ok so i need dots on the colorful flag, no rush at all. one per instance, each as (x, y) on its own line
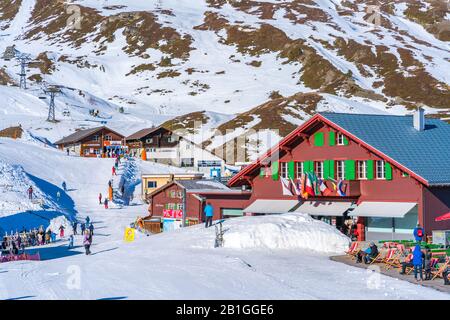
(333, 183)
(324, 189)
(286, 187)
(304, 194)
(309, 190)
(340, 187)
(296, 188)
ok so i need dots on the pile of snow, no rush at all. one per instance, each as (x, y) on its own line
(289, 231)
(286, 231)
(57, 222)
(14, 184)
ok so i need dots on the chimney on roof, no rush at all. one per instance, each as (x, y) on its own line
(419, 119)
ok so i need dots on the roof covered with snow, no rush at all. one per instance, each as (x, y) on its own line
(427, 152)
(202, 185)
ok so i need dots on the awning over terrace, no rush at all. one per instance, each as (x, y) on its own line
(264, 206)
(324, 208)
(383, 209)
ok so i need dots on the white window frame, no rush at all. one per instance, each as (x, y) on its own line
(108, 137)
(149, 140)
(299, 169)
(362, 166)
(96, 138)
(340, 169)
(340, 139)
(318, 169)
(380, 169)
(284, 170)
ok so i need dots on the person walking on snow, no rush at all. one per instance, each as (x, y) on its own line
(83, 227)
(106, 203)
(64, 185)
(91, 229)
(418, 262)
(74, 227)
(114, 171)
(30, 193)
(71, 241)
(419, 233)
(209, 213)
(87, 242)
(88, 220)
(100, 196)
(61, 231)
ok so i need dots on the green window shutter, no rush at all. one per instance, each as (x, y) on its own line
(326, 169)
(330, 170)
(388, 171)
(319, 139)
(345, 141)
(332, 138)
(275, 171)
(350, 172)
(309, 166)
(370, 169)
(291, 170)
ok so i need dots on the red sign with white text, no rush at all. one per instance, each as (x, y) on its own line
(171, 213)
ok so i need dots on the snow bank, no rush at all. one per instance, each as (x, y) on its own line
(57, 222)
(286, 231)
(14, 183)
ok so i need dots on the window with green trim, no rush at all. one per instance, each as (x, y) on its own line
(319, 169)
(381, 172)
(299, 169)
(340, 169)
(283, 169)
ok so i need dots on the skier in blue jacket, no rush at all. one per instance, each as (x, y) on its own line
(418, 262)
(419, 233)
(209, 213)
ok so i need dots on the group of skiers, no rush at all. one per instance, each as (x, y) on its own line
(31, 195)
(87, 231)
(104, 202)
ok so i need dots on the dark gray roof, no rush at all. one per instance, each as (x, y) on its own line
(142, 133)
(202, 185)
(81, 134)
(426, 153)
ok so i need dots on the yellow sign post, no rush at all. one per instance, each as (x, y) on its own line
(129, 235)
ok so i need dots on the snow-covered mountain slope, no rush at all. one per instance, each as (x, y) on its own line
(250, 62)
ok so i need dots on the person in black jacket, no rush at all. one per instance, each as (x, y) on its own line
(373, 253)
(368, 255)
(427, 263)
(446, 275)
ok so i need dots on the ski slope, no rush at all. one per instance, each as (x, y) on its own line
(274, 257)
